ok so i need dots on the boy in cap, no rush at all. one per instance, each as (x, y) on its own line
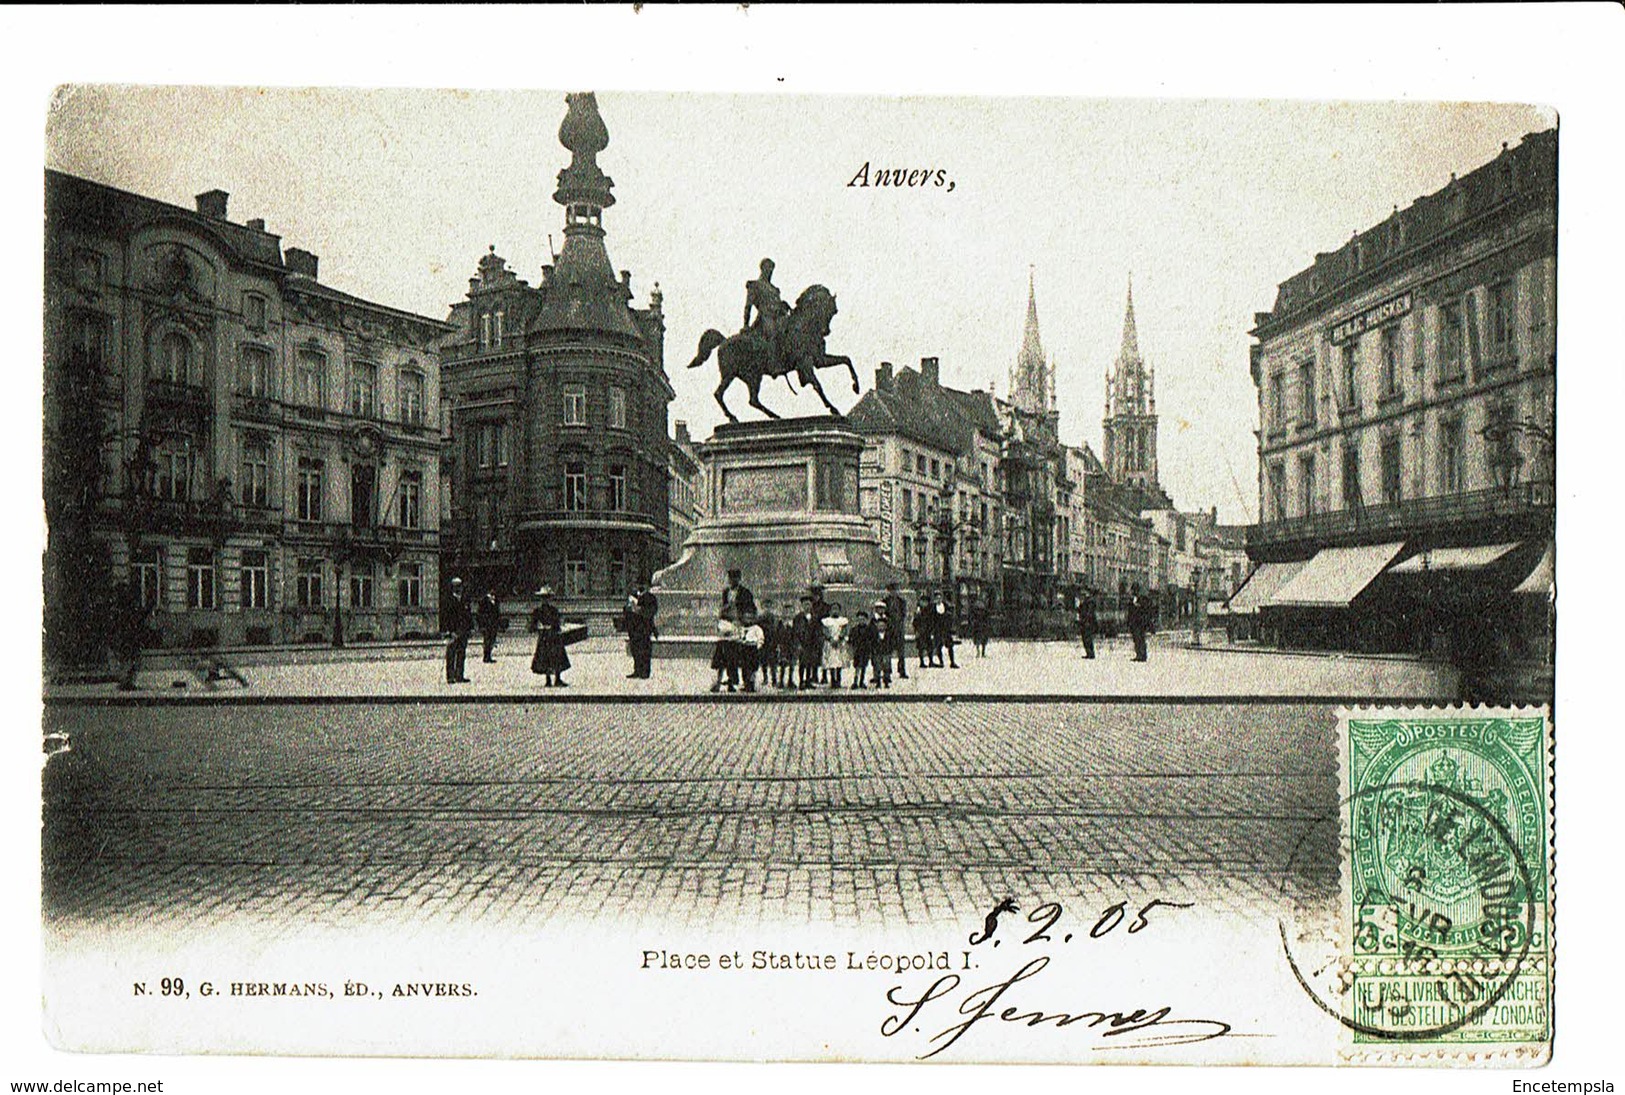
(883, 644)
(863, 648)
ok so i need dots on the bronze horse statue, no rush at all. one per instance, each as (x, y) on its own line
(749, 357)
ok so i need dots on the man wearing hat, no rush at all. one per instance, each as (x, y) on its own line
(738, 597)
(459, 625)
(882, 645)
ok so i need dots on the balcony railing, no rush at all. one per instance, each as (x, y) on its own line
(173, 393)
(1411, 517)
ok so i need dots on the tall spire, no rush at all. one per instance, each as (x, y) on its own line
(1131, 337)
(1029, 383)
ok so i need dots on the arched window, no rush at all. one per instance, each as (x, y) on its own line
(175, 358)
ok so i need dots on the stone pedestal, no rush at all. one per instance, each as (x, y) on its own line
(783, 502)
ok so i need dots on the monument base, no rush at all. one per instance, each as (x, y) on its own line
(783, 498)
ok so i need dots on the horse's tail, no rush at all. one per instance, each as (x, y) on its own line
(708, 342)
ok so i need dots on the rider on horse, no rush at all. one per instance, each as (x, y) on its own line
(762, 297)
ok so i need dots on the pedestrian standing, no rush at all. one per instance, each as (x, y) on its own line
(944, 638)
(980, 626)
(489, 617)
(897, 624)
(1139, 621)
(737, 596)
(769, 657)
(883, 646)
(787, 655)
(129, 628)
(809, 638)
(1088, 621)
(639, 630)
(863, 649)
(725, 654)
(551, 659)
(922, 633)
(837, 644)
(750, 651)
(459, 626)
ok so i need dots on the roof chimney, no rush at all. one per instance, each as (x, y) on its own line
(212, 203)
(930, 371)
(680, 430)
(883, 376)
(257, 224)
(301, 262)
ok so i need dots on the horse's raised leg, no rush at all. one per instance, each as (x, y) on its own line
(722, 402)
(756, 398)
(819, 388)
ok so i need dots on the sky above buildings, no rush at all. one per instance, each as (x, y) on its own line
(1210, 204)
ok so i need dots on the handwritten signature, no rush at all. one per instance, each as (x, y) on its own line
(1141, 1028)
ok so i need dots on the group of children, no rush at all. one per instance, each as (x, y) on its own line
(805, 648)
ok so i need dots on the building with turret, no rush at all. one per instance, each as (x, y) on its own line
(559, 396)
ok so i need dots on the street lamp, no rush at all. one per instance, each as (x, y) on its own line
(947, 529)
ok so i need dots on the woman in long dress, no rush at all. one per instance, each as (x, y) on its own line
(551, 659)
(837, 645)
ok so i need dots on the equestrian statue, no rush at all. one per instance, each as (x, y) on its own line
(778, 341)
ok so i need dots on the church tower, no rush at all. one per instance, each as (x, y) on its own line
(1030, 381)
(1130, 426)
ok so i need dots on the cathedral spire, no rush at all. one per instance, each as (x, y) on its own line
(1131, 337)
(1029, 382)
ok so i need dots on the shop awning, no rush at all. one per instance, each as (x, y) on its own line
(1453, 558)
(1261, 585)
(1335, 576)
(1541, 579)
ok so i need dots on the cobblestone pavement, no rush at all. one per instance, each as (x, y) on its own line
(1023, 668)
(521, 816)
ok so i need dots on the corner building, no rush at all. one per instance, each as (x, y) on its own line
(1406, 387)
(558, 458)
(255, 452)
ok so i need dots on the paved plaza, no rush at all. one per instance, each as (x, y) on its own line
(519, 816)
(1010, 668)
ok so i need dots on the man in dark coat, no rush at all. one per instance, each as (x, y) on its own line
(768, 659)
(1139, 621)
(897, 618)
(129, 632)
(459, 626)
(925, 630)
(884, 645)
(640, 630)
(808, 630)
(489, 617)
(862, 638)
(737, 596)
(1088, 621)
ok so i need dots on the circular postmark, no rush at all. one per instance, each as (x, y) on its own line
(1420, 921)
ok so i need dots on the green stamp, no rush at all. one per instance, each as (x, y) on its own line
(1447, 822)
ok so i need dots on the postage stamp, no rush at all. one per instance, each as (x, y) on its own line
(1443, 939)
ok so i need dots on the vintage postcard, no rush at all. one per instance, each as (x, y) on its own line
(1094, 606)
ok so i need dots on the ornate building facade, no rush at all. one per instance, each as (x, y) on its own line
(1406, 388)
(559, 398)
(930, 475)
(254, 452)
